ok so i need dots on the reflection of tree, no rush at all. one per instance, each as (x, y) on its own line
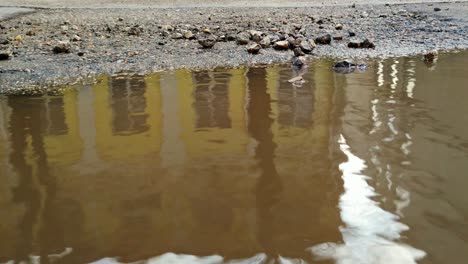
(211, 99)
(128, 105)
(295, 103)
(269, 185)
(44, 224)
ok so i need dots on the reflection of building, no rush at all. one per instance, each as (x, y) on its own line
(211, 99)
(179, 161)
(128, 105)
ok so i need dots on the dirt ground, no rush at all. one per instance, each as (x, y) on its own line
(144, 40)
(199, 3)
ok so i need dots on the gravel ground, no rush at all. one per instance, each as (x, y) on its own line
(144, 40)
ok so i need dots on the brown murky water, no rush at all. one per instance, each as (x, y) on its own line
(240, 166)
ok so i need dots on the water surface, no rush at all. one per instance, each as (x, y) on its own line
(241, 166)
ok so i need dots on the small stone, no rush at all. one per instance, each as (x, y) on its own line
(4, 41)
(62, 47)
(324, 40)
(189, 35)
(352, 34)
(81, 53)
(298, 52)
(297, 80)
(431, 56)
(299, 61)
(76, 38)
(265, 42)
(135, 31)
(292, 42)
(207, 43)
(256, 35)
(19, 38)
(206, 31)
(5, 54)
(339, 27)
(338, 38)
(307, 46)
(281, 45)
(344, 64)
(437, 9)
(177, 36)
(230, 37)
(30, 33)
(254, 48)
(365, 44)
(243, 38)
(167, 28)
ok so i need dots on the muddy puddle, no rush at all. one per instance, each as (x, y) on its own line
(241, 166)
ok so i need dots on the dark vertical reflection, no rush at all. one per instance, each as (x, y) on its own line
(128, 105)
(269, 186)
(45, 220)
(211, 99)
(26, 192)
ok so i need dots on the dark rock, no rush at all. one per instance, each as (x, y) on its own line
(292, 43)
(339, 27)
(135, 31)
(230, 37)
(298, 61)
(344, 64)
(281, 45)
(5, 54)
(265, 42)
(81, 53)
(431, 56)
(243, 38)
(324, 40)
(352, 34)
(320, 21)
(4, 41)
(254, 48)
(62, 47)
(347, 66)
(365, 44)
(338, 38)
(208, 42)
(298, 52)
(436, 9)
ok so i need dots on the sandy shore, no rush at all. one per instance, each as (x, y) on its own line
(144, 40)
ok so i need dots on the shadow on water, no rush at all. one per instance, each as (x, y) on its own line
(240, 166)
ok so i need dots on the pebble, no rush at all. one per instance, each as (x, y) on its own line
(62, 47)
(281, 45)
(207, 43)
(254, 48)
(324, 40)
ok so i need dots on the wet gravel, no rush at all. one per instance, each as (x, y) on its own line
(145, 40)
